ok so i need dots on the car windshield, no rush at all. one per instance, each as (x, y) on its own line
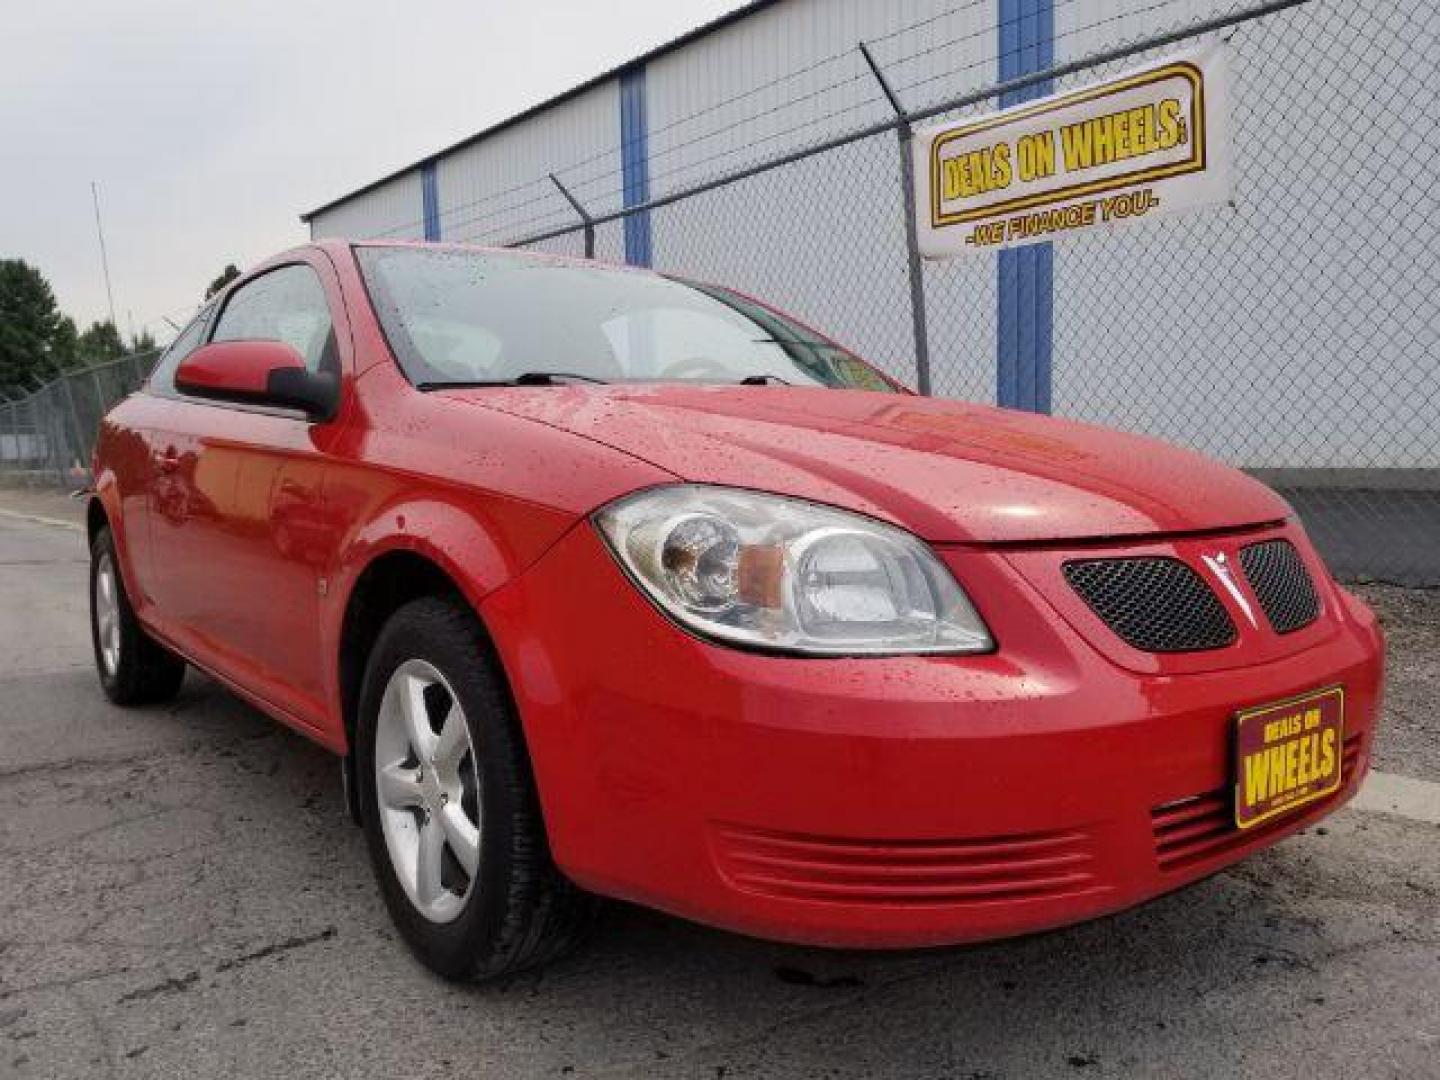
(456, 317)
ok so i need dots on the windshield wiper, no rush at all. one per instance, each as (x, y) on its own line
(561, 378)
(553, 378)
(527, 378)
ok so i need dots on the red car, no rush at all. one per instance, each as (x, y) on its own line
(608, 582)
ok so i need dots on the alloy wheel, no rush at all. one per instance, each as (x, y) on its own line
(107, 613)
(427, 788)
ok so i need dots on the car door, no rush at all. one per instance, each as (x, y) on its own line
(130, 455)
(238, 534)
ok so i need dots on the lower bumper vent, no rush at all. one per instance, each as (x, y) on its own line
(909, 872)
(1203, 826)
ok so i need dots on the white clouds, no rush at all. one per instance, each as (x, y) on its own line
(210, 127)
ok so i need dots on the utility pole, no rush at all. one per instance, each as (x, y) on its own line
(104, 259)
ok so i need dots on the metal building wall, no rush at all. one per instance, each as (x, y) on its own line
(393, 210)
(775, 81)
(1261, 331)
(498, 188)
(1088, 320)
(785, 78)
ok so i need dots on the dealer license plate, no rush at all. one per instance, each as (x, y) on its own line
(1287, 754)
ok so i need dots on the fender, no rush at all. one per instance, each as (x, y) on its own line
(465, 540)
(106, 491)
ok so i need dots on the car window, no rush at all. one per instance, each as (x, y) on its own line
(688, 336)
(454, 348)
(162, 379)
(286, 305)
(456, 316)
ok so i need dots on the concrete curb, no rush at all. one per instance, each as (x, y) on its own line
(1402, 796)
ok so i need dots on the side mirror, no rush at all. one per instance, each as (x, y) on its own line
(258, 373)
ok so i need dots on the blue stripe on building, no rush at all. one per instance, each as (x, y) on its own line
(1025, 276)
(430, 200)
(635, 164)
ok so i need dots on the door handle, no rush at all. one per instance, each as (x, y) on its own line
(168, 460)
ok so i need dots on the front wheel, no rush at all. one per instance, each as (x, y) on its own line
(134, 668)
(449, 804)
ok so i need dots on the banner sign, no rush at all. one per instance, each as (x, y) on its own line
(1149, 142)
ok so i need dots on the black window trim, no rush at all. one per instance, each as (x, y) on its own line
(206, 316)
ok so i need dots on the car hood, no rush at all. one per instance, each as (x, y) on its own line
(949, 471)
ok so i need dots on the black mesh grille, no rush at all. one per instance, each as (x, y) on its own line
(1154, 604)
(1281, 583)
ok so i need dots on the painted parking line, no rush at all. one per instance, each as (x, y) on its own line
(40, 519)
(1402, 796)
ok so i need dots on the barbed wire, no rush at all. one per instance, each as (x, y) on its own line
(1055, 39)
(983, 93)
(599, 198)
(567, 170)
(692, 167)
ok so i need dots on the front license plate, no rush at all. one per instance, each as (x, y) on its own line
(1287, 754)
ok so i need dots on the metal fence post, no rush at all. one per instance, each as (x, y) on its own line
(145, 365)
(906, 137)
(54, 429)
(22, 445)
(77, 450)
(584, 216)
(41, 438)
(9, 436)
(101, 408)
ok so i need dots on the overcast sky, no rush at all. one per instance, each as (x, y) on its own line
(209, 127)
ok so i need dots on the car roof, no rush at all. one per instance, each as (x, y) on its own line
(338, 246)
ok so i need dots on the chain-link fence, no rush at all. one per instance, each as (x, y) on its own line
(1292, 333)
(47, 437)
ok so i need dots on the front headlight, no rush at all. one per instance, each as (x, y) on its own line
(778, 573)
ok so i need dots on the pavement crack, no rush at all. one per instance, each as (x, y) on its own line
(145, 757)
(169, 986)
(181, 983)
(42, 768)
(69, 983)
(297, 942)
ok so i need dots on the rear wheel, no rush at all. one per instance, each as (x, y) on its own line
(134, 668)
(449, 804)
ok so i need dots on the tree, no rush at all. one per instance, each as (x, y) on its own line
(142, 342)
(227, 275)
(65, 345)
(101, 342)
(29, 323)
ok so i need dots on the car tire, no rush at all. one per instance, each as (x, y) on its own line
(510, 908)
(134, 668)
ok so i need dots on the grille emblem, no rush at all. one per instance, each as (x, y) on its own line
(1220, 567)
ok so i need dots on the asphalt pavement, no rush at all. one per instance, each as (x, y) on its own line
(182, 895)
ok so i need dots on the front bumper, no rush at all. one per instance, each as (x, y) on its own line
(899, 801)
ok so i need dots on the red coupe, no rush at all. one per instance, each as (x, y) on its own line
(602, 581)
